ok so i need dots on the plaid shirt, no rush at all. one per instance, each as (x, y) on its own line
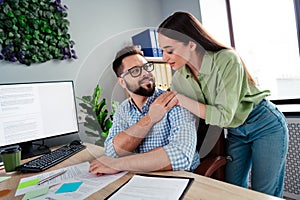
(176, 133)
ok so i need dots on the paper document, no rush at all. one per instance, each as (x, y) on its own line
(149, 187)
(3, 178)
(74, 173)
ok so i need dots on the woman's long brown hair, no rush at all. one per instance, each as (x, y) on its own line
(184, 27)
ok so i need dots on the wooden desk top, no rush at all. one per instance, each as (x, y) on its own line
(201, 188)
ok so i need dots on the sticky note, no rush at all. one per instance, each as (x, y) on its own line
(35, 193)
(28, 183)
(68, 187)
(3, 178)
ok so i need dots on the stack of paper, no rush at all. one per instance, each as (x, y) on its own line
(76, 183)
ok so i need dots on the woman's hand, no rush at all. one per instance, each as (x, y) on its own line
(180, 98)
(162, 105)
(195, 107)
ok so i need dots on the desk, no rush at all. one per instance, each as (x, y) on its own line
(201, 188)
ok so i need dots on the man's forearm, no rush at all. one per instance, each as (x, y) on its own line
(155, 160)
(126, 141)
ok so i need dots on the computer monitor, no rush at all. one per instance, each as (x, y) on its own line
(36, 111)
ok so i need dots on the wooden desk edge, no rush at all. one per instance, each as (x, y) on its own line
(201, 187)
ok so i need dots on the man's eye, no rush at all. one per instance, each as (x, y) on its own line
(136, 70)
(169, 52)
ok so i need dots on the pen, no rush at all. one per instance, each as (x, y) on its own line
(51, 177)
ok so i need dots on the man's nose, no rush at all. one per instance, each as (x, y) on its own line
(145, 73)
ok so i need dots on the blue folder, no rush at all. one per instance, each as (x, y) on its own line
(147, 40)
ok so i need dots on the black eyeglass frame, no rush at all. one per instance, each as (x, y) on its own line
(144, 66)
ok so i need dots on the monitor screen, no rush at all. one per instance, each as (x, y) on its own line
(33, 111)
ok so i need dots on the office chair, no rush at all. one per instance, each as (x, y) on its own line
(211, 147)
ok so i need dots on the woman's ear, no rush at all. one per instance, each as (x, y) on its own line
(192, 45)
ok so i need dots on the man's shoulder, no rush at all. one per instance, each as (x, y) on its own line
(179, 111)
(125, 105)
(125, 102)
(177, 108)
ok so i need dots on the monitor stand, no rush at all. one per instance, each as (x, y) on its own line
(30, 150)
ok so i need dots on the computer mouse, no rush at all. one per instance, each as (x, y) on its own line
(76, 142)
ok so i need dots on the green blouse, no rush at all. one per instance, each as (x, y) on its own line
(223, 87)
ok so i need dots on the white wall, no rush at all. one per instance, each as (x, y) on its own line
(192, 6)
(92, 24)
(288, 87)
(99, 28)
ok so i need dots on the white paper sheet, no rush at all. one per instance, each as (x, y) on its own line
(74, 173)
(149, 188)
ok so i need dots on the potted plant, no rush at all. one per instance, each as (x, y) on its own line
(98, 120)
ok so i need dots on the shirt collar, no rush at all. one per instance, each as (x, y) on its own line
(206, 66)
(145, 107)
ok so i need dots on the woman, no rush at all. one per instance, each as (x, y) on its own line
(213, 83)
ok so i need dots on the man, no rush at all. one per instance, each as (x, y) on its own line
(150, 132)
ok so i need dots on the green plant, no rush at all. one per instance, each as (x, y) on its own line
(98, 121)
(34, 31)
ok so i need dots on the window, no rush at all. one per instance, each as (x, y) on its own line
(265, 35)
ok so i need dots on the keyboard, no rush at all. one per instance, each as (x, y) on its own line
(50, 159)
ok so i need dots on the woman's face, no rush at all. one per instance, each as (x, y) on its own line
(175, 53)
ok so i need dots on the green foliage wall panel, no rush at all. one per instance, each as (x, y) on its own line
(34, 31)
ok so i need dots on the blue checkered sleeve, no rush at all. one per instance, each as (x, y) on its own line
(176, 133)
(181, 148)
(119, 124)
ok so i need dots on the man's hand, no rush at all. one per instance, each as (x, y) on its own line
(102, 165)
(161, 106)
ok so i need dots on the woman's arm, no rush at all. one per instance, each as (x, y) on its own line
(191, 105)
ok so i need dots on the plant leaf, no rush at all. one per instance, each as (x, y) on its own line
(100, 107)
(108, 125)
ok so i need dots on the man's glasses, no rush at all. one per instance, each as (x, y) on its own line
(137, 70)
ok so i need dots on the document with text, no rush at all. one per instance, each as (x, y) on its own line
(148, 187)
(75, 173)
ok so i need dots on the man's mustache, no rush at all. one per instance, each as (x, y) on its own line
(146, 78)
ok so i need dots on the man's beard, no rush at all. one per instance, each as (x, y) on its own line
(148, 91)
